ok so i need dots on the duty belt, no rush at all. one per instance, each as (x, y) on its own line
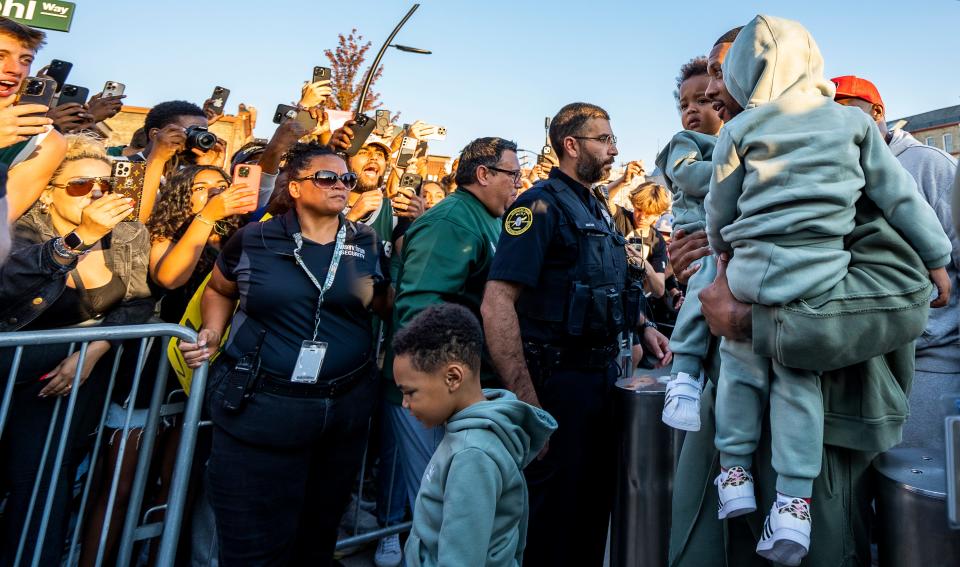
(579, 358)
(282, 386)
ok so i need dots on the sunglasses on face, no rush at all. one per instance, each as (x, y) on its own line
(326, 179)
(80, 186)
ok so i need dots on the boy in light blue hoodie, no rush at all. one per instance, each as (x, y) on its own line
(788, 171)
(687, 167)
(472, 506)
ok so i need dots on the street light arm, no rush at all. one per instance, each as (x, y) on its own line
(376, 61)
(409, 49)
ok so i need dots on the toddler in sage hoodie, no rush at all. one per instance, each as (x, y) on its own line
(687, 168)
(787, 173)
(472, 506)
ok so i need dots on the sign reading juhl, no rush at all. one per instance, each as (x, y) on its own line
(46, 14)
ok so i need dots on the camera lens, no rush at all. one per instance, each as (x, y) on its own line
(200, 138)
(206, 140)
(35, 88)
(244, 172)
(70, 91)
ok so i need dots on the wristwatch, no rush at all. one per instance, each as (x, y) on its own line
(61, 250)
(648, 324)
(76, 244)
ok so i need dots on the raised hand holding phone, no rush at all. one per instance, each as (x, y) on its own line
(419, 130)
(342, 137)
(315, 94)
(246, 177)
(407, 203)
(101, 107)
(19, 122)
(237, 199)
(69, 118)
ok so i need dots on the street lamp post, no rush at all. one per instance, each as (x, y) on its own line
(383, 49)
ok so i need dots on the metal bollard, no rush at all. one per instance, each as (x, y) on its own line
(640, 533)
(912, 510)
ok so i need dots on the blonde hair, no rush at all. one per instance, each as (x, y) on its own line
(82, 146)
(651, 199)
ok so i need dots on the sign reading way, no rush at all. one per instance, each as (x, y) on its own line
(46, 14)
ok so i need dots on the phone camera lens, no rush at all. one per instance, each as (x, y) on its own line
(244, 172)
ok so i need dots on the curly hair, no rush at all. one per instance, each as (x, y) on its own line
(693, 68)
(173, 212)
(82, 146)
(168, 113)
(294, 162)
(439, 335)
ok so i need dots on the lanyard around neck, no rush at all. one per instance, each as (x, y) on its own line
(331, 272)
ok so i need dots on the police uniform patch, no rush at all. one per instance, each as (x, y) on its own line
(518, 221)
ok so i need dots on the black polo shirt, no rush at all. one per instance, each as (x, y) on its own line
(535, 234)
(276, 295)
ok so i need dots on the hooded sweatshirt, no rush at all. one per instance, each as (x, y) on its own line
(472, 506)
(938, 349)
(687, 168)
(790, 167)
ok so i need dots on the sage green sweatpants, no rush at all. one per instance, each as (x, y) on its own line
(748, 384)
(690, 341)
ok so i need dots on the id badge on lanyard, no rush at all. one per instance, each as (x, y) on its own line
(309, 362)
(312, 352)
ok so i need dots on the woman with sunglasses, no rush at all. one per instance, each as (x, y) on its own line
(197, 210)
(74, 262)
(292, 392)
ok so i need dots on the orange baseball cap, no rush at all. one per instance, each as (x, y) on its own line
(851, 86)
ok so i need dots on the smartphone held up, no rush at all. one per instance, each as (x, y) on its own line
(248, 174)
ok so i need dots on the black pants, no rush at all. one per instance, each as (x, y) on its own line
(571, 489)
(281, 472)
(22, 444)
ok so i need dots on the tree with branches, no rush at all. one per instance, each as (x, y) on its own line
(347, 82)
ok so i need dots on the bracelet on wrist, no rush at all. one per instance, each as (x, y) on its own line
(205, 220)
(648, 324)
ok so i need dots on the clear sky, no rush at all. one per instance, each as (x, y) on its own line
(498, 67)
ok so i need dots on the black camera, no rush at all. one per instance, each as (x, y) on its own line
(201, 138)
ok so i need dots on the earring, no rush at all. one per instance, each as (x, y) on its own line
(44, 207)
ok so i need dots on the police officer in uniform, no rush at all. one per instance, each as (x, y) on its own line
(558, 297)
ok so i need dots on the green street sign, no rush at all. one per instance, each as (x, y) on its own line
(45, 14)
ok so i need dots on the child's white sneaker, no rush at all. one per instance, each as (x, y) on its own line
(681, 406)
(735, 491)
(786, 533)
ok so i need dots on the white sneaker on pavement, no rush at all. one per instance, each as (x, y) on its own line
(388, 552)
(786, 533)
(681, 406)
(735, 491)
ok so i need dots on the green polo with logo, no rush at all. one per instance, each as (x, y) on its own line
(447, 254)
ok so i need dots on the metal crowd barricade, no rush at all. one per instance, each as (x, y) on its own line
(357, 538)
(134, 530)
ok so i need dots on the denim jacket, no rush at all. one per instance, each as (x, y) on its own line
(31, 279)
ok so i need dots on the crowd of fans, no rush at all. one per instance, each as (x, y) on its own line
(313, 269)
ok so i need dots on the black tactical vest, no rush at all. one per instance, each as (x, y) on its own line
(584, 299)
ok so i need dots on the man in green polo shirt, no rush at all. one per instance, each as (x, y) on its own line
(446, 255)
